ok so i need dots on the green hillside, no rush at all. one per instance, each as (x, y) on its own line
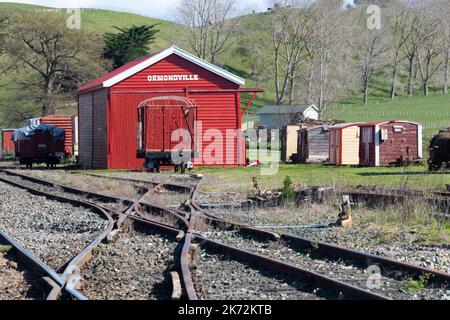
(433, 112)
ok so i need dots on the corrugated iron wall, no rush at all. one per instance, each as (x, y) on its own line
(63, 122)
(85, 129)
(99, 133)
(7, 143)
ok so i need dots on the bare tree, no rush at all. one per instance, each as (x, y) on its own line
(208, 25)
(423, 28)
(399, 26)
(288, 28)
(329, 46)
(444, 9)
(370, 45)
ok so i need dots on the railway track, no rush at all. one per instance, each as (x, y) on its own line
(137, 266)
(440, 200)
(346, 265)
(46, 231)
(168, 184)
(54, 231)
(201, 250)
(24, 277)
(91, 272)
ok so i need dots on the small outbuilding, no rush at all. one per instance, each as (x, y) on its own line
(278, 116)
(313, 144)
(344, 144)
(390, 142)
(110, 131)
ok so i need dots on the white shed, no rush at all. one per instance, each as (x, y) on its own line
(276, 117)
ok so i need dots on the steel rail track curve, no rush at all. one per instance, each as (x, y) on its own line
(193, 210)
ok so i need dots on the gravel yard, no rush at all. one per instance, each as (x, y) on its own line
(115, 206)
(402, 247)
(132, 268)
(16, 282)
(390, 284)
(167, 177)
(165, 198)
(54, 232)
(364, 236)
(115, 188)
(220, 278)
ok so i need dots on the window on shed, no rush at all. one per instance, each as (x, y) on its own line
(398, 129)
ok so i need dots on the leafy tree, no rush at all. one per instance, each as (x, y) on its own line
(129, 43)
(46, 62)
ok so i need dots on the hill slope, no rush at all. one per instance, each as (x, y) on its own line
(433, 111)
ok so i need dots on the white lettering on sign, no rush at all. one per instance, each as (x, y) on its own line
(173, 77)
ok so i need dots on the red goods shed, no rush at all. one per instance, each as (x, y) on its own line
(386, 143)
(7, 143)
(63, 122)
(109, 127)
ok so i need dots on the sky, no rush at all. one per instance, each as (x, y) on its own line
(152, 8)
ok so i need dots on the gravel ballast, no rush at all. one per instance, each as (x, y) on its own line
(135, 267)
(17, 282)
(403, 247)
(114, 206)
(217, 277)
(52, 231)
(390, 283)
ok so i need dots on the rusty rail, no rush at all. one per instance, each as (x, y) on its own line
(54, 280)
(70, 282)
(169, 186)
(314, 278)
(334, 251)
(69, 276)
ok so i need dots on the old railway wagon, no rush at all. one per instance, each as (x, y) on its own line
(7, 142)
(39, 144)
(111, 135)
(390, 142)
(313, 144)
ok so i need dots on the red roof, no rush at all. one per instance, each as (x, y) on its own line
(376, 123)
(98, 82)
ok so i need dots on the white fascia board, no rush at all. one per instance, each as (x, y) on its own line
(164, 54)
(208, 66)
(377, 145)
(420, 141)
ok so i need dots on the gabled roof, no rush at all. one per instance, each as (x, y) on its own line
(285, 109)
(142, 63)
(378, 123)
(345, 125)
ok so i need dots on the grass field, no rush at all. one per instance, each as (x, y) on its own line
(433, 112)
(415, 177)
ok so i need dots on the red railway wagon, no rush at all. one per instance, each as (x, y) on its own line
(158, 119)
(64, 122)
(7, 143)
(41, 144)
(390, 142)
(109, 128)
